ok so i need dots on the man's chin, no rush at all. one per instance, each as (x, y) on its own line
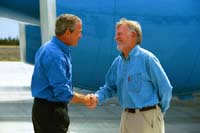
(119, 49)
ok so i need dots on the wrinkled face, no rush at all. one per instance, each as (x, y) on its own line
(73, 37)
(123, 37)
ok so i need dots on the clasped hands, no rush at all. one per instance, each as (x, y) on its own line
(91, 101)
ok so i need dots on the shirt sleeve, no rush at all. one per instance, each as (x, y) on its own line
(109, 89)
(160, 82)
(58, 73)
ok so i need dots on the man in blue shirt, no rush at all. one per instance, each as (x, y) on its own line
(139, 81)
(52, 78)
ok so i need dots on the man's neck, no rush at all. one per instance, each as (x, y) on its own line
(127, 51)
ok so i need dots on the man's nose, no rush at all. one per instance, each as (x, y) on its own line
(80, 36)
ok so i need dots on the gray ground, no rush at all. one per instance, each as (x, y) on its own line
(16, 104)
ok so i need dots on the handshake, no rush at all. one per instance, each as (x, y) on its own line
(90, 100)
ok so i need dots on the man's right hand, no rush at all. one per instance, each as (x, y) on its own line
(91, 101)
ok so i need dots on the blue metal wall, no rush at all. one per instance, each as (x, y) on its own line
(33, 42)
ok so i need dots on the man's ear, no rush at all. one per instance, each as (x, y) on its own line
(67, 32)
(134, 34)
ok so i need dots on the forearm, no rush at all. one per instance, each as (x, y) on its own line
(78, 98)
(104, 93)
(165, 100)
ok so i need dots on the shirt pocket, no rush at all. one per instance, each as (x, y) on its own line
(135, 82)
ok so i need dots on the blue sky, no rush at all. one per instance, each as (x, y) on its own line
(8, 28)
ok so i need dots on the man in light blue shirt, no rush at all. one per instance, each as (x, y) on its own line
(139, 81)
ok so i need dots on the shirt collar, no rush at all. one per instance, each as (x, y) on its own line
(132, 53)
(60, 44)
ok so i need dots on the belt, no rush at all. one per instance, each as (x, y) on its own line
(131, 110)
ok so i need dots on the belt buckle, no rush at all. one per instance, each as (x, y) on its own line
(130, 110)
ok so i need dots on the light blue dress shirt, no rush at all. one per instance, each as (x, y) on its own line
(138, 81)
(52, 76)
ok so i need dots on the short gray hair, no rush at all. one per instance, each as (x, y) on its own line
(133, 26)
(66, 22)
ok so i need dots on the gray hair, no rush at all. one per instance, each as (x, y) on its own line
(134, 26)
(66, 22)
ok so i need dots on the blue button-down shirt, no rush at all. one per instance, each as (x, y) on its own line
(138, 81)
(52, 76)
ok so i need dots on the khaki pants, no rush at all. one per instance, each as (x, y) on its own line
(150, 121)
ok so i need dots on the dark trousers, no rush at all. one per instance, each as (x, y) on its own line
(49, 117)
